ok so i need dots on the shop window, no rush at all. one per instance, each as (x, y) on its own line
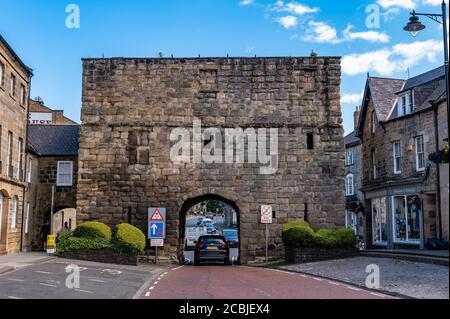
(406, 210)
(379, 221)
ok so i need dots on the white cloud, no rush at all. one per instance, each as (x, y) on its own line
(433, 2)
(288, 21)
(387, 61)
(372, 36)
(406, 4)
(294, 8)
(323, 33)
(351, 98)
(245, 2)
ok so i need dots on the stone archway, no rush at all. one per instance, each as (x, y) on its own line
(196, 200)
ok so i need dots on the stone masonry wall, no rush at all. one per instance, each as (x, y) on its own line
(130, 106)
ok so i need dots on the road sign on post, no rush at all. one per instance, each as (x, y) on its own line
(156, 228)
(266, 214)
(267, 218)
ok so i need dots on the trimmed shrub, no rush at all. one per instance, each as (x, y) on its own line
(128, 239)
(67, 243)
(346, 238)
(290, 225)
(300, 236)
(326, 238)
(93, 230)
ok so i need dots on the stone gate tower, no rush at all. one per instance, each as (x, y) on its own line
(131, 106)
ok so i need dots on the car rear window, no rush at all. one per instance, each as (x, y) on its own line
(212, 241)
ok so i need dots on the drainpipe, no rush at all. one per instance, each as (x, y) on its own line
(25, 167)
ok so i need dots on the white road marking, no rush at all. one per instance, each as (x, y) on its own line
(43, 272)
(155, 283)
(14, 279)
(334, 283)
(147, 294)
(12, 297)
(48, 285)
(85, 291)
(378, 295)
(151, 288)
(165, 273)
(97, 280)
(318, 279)
(282, 271)
(178, 267)
(353, 288)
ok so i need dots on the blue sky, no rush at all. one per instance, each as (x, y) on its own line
(37, 31)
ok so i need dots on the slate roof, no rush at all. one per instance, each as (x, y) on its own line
(383, 92)
(53, 140)
(424, 78)
(352, 140)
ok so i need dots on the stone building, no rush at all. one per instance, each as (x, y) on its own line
(15, 79)
(52, 163)
(131, 106)
(400, 125)
(354, 214)
(39, 113)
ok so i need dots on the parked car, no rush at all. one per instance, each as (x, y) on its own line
(192, 235)
(211, 230)
(207, 222)
(212, 248)
(200, 220)
(232, 237)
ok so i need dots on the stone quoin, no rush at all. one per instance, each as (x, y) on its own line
(131, 105)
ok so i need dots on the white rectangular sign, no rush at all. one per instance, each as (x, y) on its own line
(40, 118)
(157, 242)
(266, 214)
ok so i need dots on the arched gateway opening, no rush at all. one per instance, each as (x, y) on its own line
(209, 215)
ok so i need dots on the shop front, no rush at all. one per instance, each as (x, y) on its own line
(396, 219)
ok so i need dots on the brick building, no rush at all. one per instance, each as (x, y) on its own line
(52, 162)
(354, 214)
(400, 125)
(15, 79)
(130, 107)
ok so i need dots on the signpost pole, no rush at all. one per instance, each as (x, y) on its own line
(267, 243)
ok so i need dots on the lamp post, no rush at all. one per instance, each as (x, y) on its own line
(415, 26)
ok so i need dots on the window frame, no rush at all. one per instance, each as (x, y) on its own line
(27, 218)
(348, 185)
(29, 170)
(422, 153)
(9, 154)
(351, 153)
(22, 93)
(14, 206)
(2, 73)
(58, 174)
(374, 166)
(12, 85)
(397, 157)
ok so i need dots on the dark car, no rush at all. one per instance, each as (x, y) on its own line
(212, 248)
(232, 238)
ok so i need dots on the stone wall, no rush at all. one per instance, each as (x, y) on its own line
(130, 107)
(13, 118)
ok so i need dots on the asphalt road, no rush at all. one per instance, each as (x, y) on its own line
(48, 281)
(241, 282)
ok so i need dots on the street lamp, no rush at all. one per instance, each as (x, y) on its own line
(415, 26)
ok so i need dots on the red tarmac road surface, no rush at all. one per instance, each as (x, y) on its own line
(240, 282)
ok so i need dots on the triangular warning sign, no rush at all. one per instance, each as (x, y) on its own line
(156, 215)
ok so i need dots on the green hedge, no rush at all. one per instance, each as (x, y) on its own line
(128, 239)
(93, 230)
(300, 236)
(290, 225)
(304, 236)
(67, 243)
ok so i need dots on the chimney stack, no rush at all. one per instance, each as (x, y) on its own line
(356, 116)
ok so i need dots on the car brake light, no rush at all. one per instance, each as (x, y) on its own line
(223, 246)
(200, 245)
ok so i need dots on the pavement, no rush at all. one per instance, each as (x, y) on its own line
(21, 260)
(242, 282)
(412, 279)
(47, 280)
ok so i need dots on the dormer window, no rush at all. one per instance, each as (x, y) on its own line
(405, 103)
